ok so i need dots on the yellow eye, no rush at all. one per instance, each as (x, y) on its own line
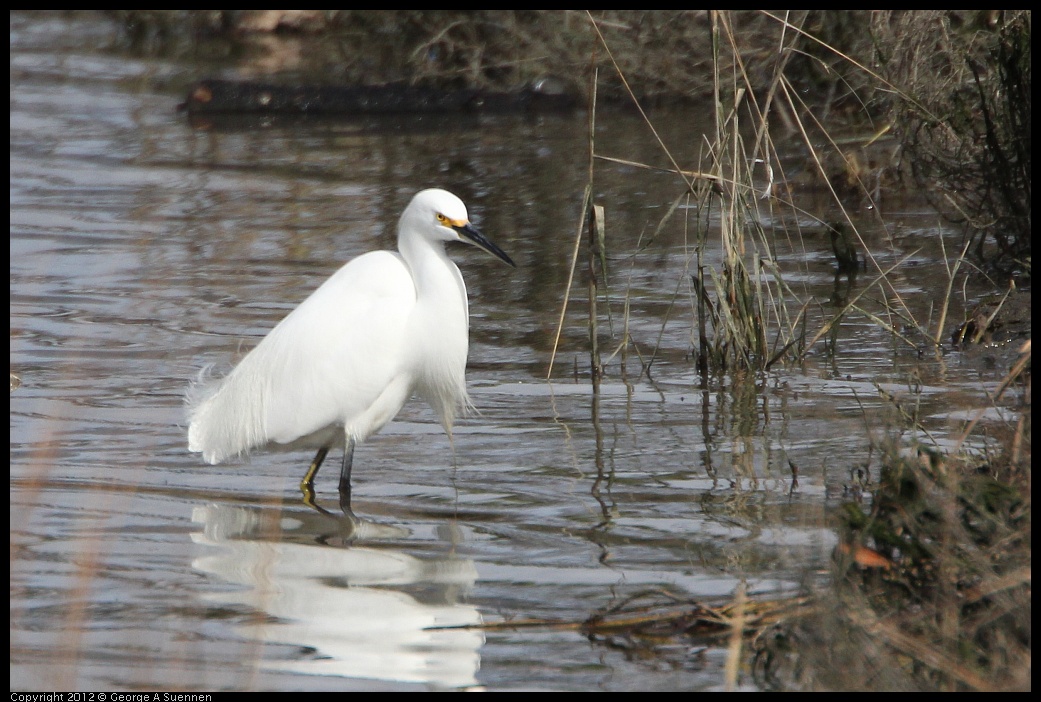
(442, 219)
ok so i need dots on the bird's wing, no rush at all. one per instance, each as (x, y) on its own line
(326, 362)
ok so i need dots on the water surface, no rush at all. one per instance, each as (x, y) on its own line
(145, 248)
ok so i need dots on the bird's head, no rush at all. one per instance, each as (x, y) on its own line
(440, 215)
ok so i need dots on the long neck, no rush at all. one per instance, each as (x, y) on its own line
(440, 324)
(437, 279)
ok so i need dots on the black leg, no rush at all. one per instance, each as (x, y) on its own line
(345, 478)
(308, 481)
(307, 484)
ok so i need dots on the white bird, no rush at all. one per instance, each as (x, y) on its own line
(341, 365)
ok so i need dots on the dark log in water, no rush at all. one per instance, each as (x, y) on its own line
(222, 96)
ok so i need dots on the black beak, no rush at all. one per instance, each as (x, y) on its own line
(470, 233)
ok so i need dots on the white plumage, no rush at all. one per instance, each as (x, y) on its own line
(340, 366)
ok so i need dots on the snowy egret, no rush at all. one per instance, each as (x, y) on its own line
(341, 365)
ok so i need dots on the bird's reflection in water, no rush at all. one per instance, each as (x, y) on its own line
(347, 611)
